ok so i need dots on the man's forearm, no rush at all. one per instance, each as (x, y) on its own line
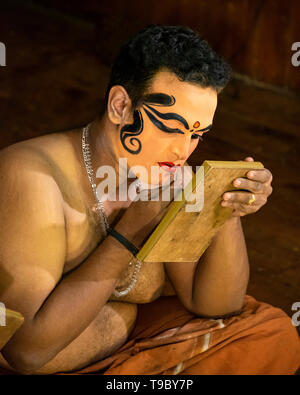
(222, 273)
(69, 309)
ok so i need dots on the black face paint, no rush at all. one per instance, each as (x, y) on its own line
(169, 116)
(159, 99)
(135, 129)
(130, 130)
(160, 125)
(197, 136)
(205, 129)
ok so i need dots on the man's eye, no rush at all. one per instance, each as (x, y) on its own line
(197, 136)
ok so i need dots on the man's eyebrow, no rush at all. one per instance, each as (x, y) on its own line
(160, 99)
(169, 116)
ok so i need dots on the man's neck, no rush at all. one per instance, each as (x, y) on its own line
(102, 145)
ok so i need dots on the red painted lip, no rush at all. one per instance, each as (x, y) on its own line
(170, 164)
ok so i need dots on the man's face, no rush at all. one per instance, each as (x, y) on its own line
(167, 125)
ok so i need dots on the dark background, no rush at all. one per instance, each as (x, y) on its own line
(58, 59)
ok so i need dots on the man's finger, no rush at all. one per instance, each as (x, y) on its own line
(261, 175)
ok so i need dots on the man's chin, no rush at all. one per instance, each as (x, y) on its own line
(162, 181)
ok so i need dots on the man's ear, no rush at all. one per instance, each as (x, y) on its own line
(119, 106)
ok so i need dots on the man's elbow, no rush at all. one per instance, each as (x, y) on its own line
(23, 362)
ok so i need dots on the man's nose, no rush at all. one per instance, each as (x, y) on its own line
(181, 148)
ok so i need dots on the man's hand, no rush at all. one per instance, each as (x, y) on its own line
(258, 182)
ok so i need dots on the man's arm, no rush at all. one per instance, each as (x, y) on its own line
(221, 279)
(217, 284)
(32, 253)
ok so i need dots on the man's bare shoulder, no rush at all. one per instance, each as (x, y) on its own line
(51, 155)
(36, 151)
(27, 177)
(22, 165)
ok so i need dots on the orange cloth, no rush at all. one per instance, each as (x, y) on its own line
(167, 339)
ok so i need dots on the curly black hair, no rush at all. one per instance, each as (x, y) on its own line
(176, 48)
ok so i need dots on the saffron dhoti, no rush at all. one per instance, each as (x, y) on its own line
(168, 339)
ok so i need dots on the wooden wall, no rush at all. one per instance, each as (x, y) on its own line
(256, 36)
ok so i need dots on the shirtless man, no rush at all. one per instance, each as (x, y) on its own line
(59, 270)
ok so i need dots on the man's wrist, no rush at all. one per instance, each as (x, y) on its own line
(124, 241)
(118, 248)
(231, 225)
(231, 222)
